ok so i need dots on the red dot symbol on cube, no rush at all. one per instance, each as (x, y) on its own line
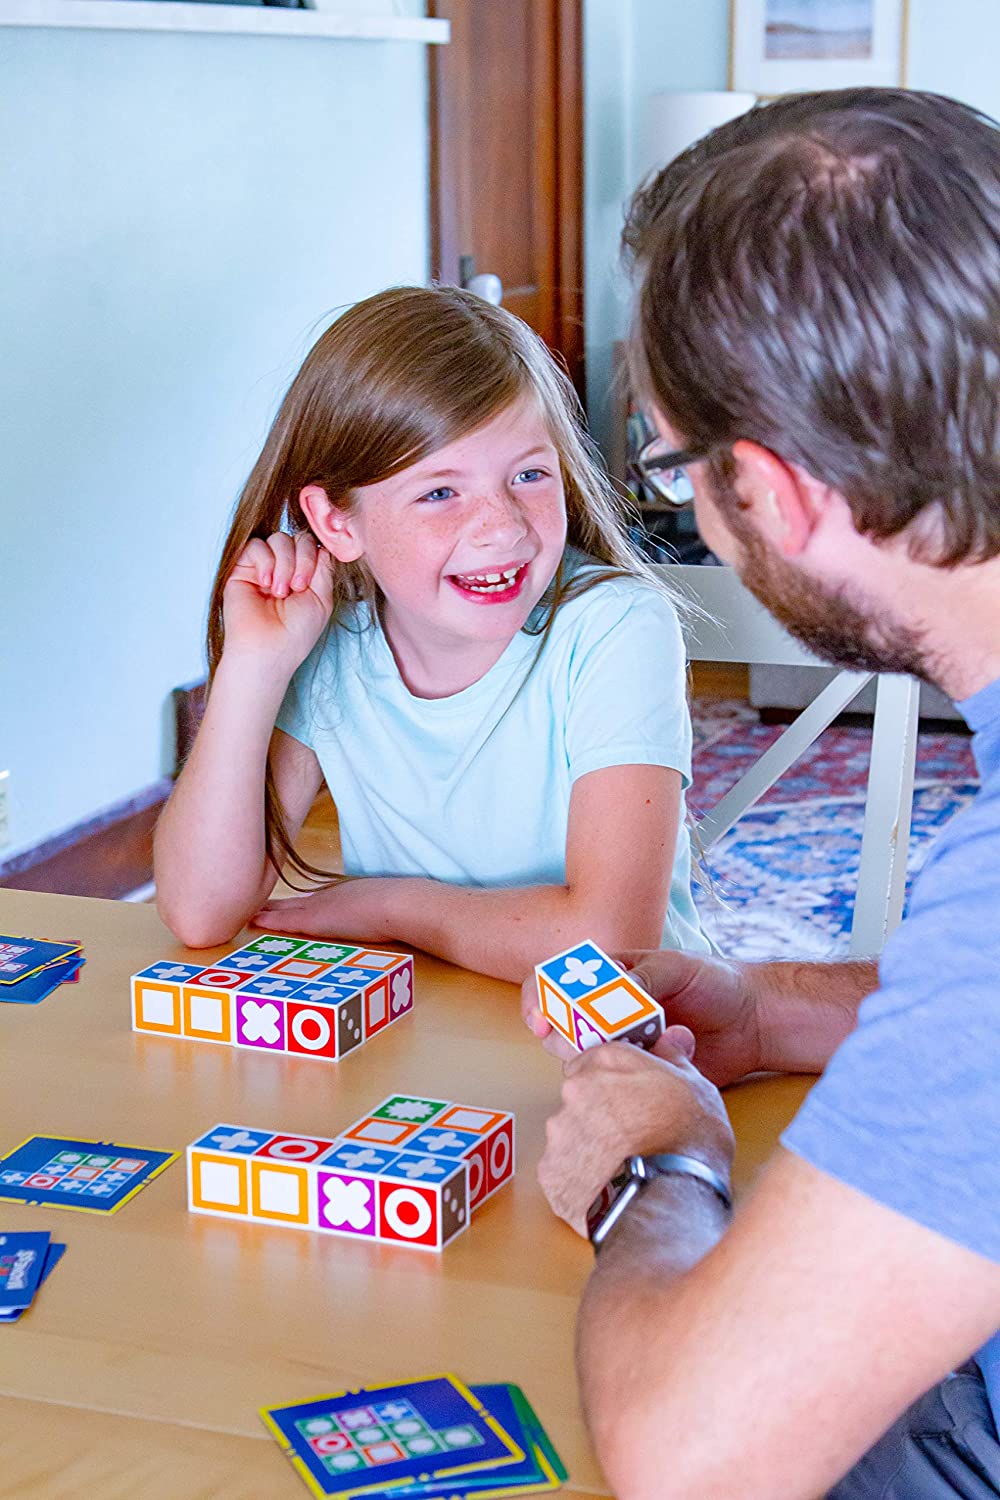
(294, 1148)
(218, 979)
(407, 1214)
(377, 1012)
(478, 1161)
(312, 1030)
(330, 1442)
(501, 1155)
(41, 1180)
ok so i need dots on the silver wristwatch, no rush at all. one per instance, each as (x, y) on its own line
(635, 1174)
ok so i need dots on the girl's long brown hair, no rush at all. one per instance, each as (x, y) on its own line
(395, 378)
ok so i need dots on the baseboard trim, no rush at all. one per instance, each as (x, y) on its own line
(107, 855)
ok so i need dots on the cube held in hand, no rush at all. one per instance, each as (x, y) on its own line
(589, 999)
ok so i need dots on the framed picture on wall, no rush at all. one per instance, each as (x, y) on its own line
(783, 46)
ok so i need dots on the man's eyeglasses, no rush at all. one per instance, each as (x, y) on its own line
(662, 471)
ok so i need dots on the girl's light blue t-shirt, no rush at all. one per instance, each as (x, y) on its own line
(474, 789)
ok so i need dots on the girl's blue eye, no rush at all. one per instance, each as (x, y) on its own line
(529, 476)
(443, 493)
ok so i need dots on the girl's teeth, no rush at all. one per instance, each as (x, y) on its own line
(489, 583)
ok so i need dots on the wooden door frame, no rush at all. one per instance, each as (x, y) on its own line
(560, 148)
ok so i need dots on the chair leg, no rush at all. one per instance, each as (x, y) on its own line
(785, 751)
(878, 902)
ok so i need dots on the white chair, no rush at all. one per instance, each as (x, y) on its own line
(729, 625)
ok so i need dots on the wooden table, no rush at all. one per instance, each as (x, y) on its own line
(139, 1371)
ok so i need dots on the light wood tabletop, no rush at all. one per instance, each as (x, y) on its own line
(140, 1369)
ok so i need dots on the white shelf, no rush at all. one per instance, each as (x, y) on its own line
(228, 20)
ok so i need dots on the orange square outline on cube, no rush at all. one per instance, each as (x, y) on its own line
(406, 1130)
(198, 1198)
(646, 1007)
(493, 1118)
(377, 987)
(225, 999)
(173, 990)
(313, 964)
(358, 959)
(261, 1164)
(545, 990)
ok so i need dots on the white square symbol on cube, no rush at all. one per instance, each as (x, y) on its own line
(220, 1183)
(558, 1010)
(377, 960)
(206, 1014)
(469, 1119)
(617, 1005)
(156, 1007)
(279, 1192)
(379, 1130)
(376, 1005)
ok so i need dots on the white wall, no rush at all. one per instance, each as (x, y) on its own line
(633, 48)
(180, 216)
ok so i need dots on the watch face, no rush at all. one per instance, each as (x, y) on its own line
(597, 1211)
(608, 1207)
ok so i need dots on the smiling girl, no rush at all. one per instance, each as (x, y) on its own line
(428, 600)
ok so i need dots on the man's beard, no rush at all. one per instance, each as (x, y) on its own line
(826, 623)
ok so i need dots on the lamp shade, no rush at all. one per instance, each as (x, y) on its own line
(674, 121)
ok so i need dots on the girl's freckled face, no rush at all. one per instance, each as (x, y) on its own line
(464, 543)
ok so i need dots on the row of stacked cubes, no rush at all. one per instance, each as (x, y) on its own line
(312, 999)
(411, 1172)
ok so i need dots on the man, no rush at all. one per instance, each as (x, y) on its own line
(818, 328)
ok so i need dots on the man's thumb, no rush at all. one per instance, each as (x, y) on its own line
(675, 1039)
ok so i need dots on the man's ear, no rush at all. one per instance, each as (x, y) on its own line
(333, 528)
(780, 499)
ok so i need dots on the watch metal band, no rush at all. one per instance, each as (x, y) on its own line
(667, 1164)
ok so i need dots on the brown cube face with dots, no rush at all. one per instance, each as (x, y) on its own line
(350, 1025)
(296, 996)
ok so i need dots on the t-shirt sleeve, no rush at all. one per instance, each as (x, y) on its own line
(908, 1110)
(627, 691)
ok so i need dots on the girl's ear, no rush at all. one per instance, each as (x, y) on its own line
(333, 528)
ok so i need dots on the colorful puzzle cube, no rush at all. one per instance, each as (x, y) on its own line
(589, 999)
(409, 1173)
(306, 997)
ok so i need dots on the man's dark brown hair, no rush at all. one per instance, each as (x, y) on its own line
(822, 277)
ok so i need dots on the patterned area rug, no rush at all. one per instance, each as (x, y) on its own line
(781, 882)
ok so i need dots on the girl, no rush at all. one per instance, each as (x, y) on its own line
(427, 598)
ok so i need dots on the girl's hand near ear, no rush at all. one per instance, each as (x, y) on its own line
(278, 598)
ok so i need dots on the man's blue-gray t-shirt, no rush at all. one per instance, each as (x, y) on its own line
(908, 1110)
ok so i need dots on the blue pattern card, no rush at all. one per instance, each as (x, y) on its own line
(53, 1256)
(540, 1470)
(361, 1442)
(92, 1176)
(22, 1257)
(36, 987)
(22, 957)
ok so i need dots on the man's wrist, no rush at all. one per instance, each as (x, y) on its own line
(642, 1181)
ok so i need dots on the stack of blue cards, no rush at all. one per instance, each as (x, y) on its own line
(31, 968)
(433, 1439)
(25, 1261)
